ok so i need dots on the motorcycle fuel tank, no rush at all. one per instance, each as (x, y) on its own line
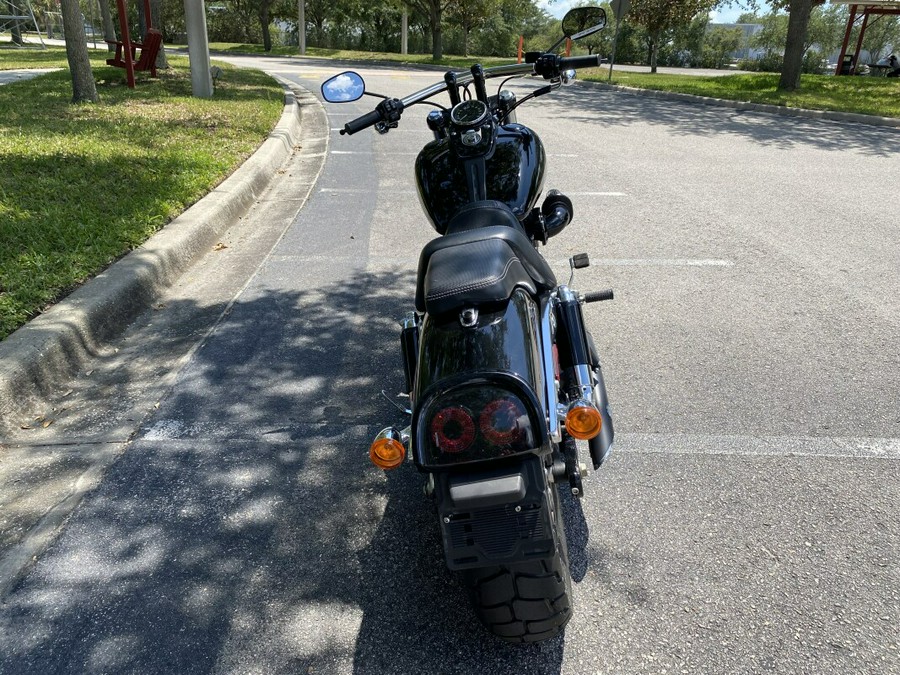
(513, 174)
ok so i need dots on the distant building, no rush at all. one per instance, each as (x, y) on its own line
(748, 30)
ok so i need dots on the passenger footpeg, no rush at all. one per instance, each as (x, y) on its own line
(598, 296)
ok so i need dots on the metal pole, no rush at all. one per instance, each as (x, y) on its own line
(612, 59)
(126, 43)
(850, 21)
(404, 32)
(301, 26)
(34, 21)
(198, 48)
(859, 42)
(93, 25)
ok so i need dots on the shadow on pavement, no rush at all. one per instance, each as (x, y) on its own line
(244, 529)
(612, 108)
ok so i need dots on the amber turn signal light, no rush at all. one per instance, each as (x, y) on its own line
(387, 450)
(583, 420)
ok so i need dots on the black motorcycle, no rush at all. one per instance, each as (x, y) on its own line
(502, 377)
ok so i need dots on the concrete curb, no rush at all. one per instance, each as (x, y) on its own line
(51, 348)
(753, 107)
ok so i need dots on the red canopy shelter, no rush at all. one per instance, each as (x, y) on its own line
(126, 49)
(861, 12)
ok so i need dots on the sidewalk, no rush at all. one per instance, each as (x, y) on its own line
(7, 76)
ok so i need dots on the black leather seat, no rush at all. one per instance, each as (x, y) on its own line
(481, 214)
(484, 258)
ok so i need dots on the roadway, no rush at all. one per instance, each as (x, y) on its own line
(747, 521)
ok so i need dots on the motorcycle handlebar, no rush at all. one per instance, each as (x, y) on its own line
(563, 63)
(576, 62)
(361, 123)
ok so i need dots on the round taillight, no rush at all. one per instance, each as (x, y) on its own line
(499, 422)
(452, 429)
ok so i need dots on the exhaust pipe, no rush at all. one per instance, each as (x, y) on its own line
(601, 444)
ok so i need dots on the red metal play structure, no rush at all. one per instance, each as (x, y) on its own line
(847, 63)
(126, 50)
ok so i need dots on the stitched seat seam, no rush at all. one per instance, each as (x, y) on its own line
(472, 287)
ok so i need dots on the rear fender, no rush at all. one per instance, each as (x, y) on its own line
(502, 348)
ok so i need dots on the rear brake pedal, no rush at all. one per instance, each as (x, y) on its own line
(580, 261)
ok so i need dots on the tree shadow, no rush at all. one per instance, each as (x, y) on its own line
(614, 108)
(244, 527)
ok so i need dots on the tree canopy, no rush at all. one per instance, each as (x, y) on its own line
(660, 16)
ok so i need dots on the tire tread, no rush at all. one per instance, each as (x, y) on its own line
(535, 595)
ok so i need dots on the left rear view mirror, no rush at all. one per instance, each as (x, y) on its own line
(343, 88)
(583, 21)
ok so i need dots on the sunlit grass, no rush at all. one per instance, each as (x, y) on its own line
(449, 61)
(80, 185)
(866, 95)
(16, 58)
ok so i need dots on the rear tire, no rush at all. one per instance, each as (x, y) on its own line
(528, 601)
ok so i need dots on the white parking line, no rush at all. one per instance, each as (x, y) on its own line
(780, 446)
(355, 191)
(654, 262)
(596, 194)
(408, 130)
(369, 152)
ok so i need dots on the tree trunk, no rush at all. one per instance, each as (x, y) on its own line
(320, 32)
(654, 50)
(142, 20)
(84, 89)
(264, 24)
(109, 28)
(156, 22)
(465, 40)
(798, 23)
(437, 46)
(301, 26)
(15, 28)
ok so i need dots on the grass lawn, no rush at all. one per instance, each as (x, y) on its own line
(16, 58)
(448, 61)
(865, 95)
(81, 185)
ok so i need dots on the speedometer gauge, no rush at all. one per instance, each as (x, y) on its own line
(469, 113)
